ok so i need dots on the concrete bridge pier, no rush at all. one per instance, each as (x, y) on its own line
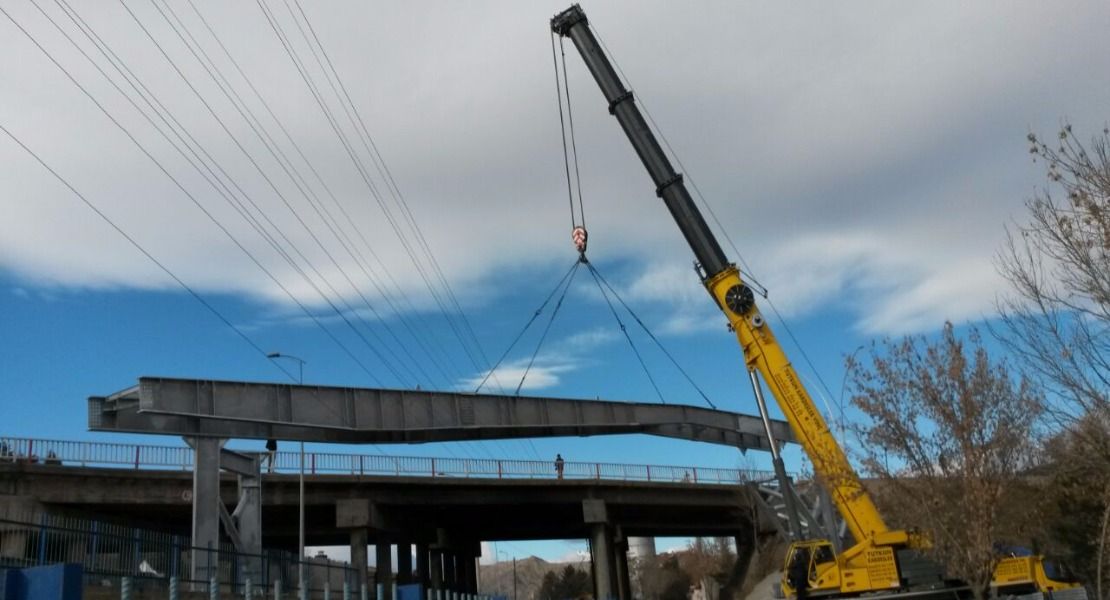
(602, 552)
(353, 515)
(468, 559)
(243, 525)
(359, 558)
(435, 572)
(421, 575)
(620, 563)
(384, 567)
(404, 562)
(450, 574)
(601, 556)
(206, 507)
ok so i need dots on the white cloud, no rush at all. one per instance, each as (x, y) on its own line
(590, 339)
(868, 165)
(576, 556)
(544, 373)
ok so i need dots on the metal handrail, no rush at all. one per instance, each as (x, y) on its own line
(151, 457)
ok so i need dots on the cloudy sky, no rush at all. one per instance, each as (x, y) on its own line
(864, 157)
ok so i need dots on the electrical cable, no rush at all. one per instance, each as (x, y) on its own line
(284, 200)
(379, 164)
(188, 194)
(113, 59)
(387, 175)
(383, 171)
(364, 174)
(298, 179)
(365, 264)
(144, 251)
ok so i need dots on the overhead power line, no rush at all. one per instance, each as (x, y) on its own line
(381, 354)
(432, 350)
(177, 183)
(208, 305)
(463, 330)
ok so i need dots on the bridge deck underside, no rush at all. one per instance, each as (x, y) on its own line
(407, 506)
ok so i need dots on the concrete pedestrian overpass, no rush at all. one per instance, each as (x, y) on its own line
(207, 413)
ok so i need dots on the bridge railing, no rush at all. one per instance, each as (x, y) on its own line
(152, 457)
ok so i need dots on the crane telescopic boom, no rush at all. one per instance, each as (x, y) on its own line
(762, 352)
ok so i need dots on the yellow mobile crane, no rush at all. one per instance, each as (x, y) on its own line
(882, 559)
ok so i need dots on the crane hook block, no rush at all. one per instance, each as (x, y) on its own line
(579, 236)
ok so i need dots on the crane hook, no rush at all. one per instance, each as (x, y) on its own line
(579, 236)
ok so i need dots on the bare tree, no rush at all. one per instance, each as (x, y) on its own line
(1057, 318)
(946, 433)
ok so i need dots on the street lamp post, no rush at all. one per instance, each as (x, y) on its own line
(496, 559)
(300, 526)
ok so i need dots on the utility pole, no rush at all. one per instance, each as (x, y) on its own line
(514, 578)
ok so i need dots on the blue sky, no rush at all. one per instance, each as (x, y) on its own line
(865, 161)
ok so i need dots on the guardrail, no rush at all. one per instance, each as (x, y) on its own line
(153, 561)
(143, 456)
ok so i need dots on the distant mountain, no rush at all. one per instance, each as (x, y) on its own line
(497, 579)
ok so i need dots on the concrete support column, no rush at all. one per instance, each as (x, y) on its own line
(247, 520)
(404, 563)
(745, 552)
(450, 573)
(469, 572)
(206, 507)
(601, 552)
(422, 562)
(384, 567)
(435, 570)
(359, 556)
(595, 514)
(754, 542)
(620, 562)
(354, 515)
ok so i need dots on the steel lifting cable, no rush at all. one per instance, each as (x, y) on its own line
(550, 321)
(527, 325)
(651, 335)
(628, 337)
(578, 232)
(573, 145)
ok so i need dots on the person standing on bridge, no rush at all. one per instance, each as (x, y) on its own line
(271, 451)
(559, 466)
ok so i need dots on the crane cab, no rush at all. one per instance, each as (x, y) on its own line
(864, 568)
(814, 562)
